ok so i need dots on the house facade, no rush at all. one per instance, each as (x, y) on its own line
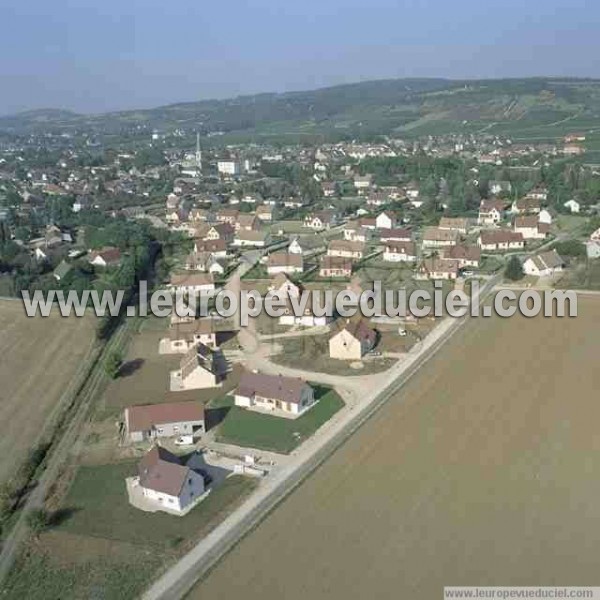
(352, 341)
(400, 252)
(274, 393)
(172, 419)
(166, 483)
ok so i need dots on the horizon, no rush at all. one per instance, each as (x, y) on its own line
(42, 109)
(93, 59)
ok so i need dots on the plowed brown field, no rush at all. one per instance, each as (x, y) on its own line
(484, 470)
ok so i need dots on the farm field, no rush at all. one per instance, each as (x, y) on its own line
(41, 357)
(481, 471)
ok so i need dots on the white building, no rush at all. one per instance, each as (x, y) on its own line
(229, 168)
(545, 264)
(165, 482)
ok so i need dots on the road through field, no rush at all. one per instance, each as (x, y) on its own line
(482, 470)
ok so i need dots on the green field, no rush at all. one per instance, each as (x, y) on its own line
(97, 506)
(246, 428)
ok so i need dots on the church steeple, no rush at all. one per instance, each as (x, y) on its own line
(198, 153)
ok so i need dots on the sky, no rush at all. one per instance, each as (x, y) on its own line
(103, 55)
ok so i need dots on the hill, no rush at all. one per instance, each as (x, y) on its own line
(526, 109)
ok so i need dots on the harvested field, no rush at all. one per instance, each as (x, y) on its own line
(41, 357)
(481, 471)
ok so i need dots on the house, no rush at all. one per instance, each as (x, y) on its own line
(385, 220)
(362, 182)
(500, 187)
(530, 227)
(595, 236)
(545, 264)
(367, 223)
(218, 248)
(192, 283)
(177, 216)
(247, 222)
(491, 212)
(319, 220)
(433, 237)
(435, 268)
(539, 192)
(264, 213)
(346, 249)
(227, 215)
(220, 231)
(400, 252)
(203, 261)
(412, 190)
(198, 369)
(188, 334)
(255, 239)
(198, 215)
(352, 341)
(328, 188)
(335, 266)
(166, 483)
(395, 235)
(274, 393)
(592, 248)
(500, 240)
(544, 216)
(151, 421)
(454, 224)
(284, 286)
(295, 247)
(229, 168)
(354, 232)
(464, 255)
(108, 256)
(527, 205)
(377, 199)
(62, 270)
(284, 262)
(573, 206)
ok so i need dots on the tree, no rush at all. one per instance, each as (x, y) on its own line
(38, 520)
(112, 363)
(514, 269)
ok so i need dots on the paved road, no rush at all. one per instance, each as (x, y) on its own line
(179, 579)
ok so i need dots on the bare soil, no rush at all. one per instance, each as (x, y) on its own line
(483, 470)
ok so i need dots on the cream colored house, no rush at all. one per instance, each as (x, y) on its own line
(198, 370)
(352, 341)
(274, 393)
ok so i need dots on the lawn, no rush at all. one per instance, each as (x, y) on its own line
(97, 506)
(250, 429)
